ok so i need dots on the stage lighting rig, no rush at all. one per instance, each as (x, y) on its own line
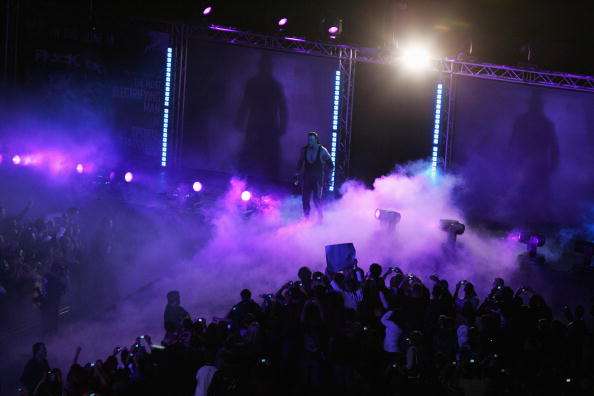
(532, 240)
(453, 229)
(281, 23)
(415, 57)
(387, 218)
(332, 27)
(207, 8)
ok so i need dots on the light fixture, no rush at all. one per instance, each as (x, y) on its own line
(453, 229)
(388, 218)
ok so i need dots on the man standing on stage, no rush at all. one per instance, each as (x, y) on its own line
(312, 161)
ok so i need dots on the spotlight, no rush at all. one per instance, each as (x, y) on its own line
(27, 160)
(283, 22)
(532, 240)
(197, 186)
(332, 27)
(80, 168)
(453, 228)
(416, 58)
(128, 177)
(387, 218)
(246, 196)
(16, 159)
(207, 10)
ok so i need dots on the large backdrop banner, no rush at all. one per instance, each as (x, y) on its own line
(248, 110)
(525, 153)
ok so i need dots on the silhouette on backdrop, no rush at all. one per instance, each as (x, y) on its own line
(534, 157)
(262, 115)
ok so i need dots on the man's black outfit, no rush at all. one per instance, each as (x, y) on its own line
(312, 179)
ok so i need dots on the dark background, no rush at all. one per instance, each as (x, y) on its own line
(392, 120)
(525, 153)
(558, 32)
(87, 84)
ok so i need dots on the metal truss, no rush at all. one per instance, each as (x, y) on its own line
(282, 43)
(347, 71)
(348, 57)
(179, 41)
(517, 75)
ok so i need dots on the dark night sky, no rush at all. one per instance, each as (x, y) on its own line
(558, 31)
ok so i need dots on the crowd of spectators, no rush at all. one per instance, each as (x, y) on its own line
(349, 333)
(37, 257)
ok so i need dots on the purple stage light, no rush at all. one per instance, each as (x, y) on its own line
(16, 159)
(128, 177)
(80, 168)
(297, 39)
(197, 186)
(223, 29)
(333, 30)
(207, 10)
(1, 158)
(282, 21)
(27, 160)
(246, 196)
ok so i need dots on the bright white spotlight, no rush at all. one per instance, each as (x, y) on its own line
(80, 168)
(416, 58)
(16, 159)
(128, 177)
(197, 186)
(246, 196)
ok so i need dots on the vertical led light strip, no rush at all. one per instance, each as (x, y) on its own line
(436, 128)
(334, 127)
(166, 107)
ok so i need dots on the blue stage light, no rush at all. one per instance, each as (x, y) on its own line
(436, 129)
(166, 106)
